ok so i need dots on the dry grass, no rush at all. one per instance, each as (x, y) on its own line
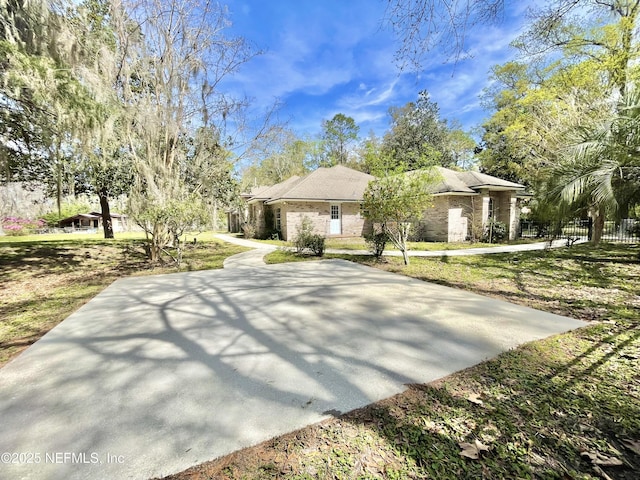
(43, 282)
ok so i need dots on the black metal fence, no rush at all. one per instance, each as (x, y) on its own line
(625, 231)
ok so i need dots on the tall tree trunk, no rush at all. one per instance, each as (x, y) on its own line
(405, 256)
(54, 151)
(215, 216)
(59, 192)
(622, 58)
(403, 230)
(598, 224)
(107, 224)
(4, 161)
(154, 250)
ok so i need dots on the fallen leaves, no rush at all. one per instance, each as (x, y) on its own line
(472, 450)
(598, 458)
(633, 445)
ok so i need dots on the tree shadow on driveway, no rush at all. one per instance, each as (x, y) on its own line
(165, 372)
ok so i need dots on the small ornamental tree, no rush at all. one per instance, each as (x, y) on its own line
(397, 200)
(164, 224)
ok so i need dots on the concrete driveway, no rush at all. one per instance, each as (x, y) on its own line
(157, 374)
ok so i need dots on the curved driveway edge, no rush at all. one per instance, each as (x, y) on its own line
(524, 247)
(250, 259)
(157, 374)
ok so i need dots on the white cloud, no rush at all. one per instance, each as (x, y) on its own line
(331, 57)
(313, 48)
(302, 59)
(372, 97)
(382, 96)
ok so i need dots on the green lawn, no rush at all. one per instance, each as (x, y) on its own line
(84, 237)
(360, 244)
(567, 407)
(47, 277)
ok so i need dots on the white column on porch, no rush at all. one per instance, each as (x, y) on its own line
(485, 211)
(514, 215)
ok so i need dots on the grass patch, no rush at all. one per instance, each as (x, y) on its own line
(335, 243)
(284, 256)
(358, 243)
(431, 246)
(543, 410)
(45, 280)
(582, 282)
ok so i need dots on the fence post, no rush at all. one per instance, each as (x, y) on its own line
(590, 229)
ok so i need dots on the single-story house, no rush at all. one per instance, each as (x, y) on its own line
(93, 221)
(331, 198)
(463, 201)
(237, 216)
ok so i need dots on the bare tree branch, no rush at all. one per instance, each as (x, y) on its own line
(424, 25)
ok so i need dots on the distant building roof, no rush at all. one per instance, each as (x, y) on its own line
(113, 214)
(90, 216)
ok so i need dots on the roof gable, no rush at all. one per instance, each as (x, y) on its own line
(478, 180)
(469, 182)
(112, 214)
(449, 182)
(336, 183)
(275, 190)
(340, 183)
(255, 191)
(90, 216)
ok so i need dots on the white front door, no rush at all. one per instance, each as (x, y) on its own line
(335, 228)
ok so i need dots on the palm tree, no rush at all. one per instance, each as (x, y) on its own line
(600, 168)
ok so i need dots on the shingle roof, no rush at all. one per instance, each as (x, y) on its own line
(478, 180)
(113, 214)
(337, 183)
(275, 190)
(255, 191)
(90, 216)
(469, 182)
(340, 183)
(450, 183)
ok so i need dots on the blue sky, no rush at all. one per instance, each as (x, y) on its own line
(335, 56)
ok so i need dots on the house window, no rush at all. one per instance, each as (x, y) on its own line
(278, 219)
(335, 212)
(491, 212)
